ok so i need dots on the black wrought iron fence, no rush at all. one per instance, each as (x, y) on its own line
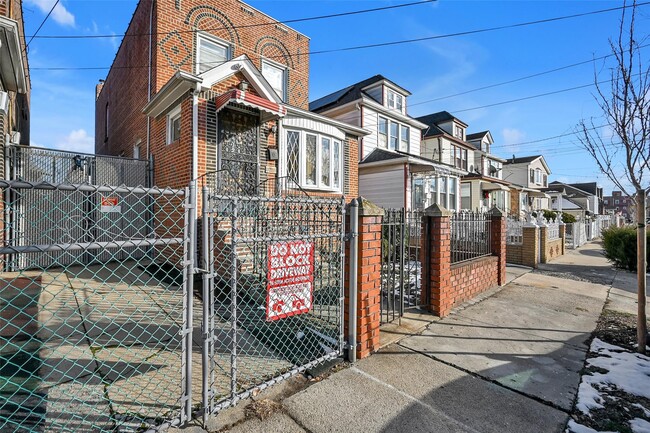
(471, 236)
(401, 270)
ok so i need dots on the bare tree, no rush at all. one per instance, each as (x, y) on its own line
(624, 156)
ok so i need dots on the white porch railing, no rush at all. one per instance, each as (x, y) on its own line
(514, 232)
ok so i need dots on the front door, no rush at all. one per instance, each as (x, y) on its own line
(239, 150)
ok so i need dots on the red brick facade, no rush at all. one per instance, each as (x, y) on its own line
(176, 26)
(446, 285)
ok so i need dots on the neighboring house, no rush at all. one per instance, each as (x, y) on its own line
(226, 89)
(620, 204)
(392, 170)
(529, 176)
(484, 187)
(595, 191)
(14, 77)
(576, 201)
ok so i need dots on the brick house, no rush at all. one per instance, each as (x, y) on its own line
(392, 171)
(529, 176)
(14, 77)
(620, 204)
(200, 87)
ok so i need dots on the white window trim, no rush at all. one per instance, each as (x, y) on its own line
(284, 69)
(302, 158)
(214, 40)
(397, 96)
(400, 127)
(174, 114)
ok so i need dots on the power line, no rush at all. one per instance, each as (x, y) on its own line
(42, 23)
(514, 80)
(295, 20)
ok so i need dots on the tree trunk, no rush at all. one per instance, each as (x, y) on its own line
(641, 329)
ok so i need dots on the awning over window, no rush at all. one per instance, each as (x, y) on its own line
(491, 186)
(250, 100)
(12, 70)
(538, 194)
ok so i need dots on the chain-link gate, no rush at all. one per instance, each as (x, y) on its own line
(100, 345)
(273, 286)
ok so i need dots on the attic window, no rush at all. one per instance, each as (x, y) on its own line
(459, 132)
(395, 100)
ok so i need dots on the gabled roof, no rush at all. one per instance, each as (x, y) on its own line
(523, 159)
(384, 155)
(439, 117)
(569, 189)
(476, 135)
(349, 94)
(590, 187)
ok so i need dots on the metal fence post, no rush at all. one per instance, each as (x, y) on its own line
(354, 259)
(206, 329)
(188, 281)
(233, 300)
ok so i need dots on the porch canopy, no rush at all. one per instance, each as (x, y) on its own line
(491, 186)
(272, 109)
(537, 194)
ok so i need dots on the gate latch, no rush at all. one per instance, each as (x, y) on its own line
(350, 236)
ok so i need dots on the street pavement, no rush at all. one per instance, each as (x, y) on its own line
(509, 363)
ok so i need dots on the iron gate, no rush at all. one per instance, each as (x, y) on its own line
(401, 269)
(272, 289)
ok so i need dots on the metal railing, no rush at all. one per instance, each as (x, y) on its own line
(470, 236)
(514, 231)
(552, 230)
(401, 270)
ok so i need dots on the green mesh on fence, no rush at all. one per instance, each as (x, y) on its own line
(91, 307)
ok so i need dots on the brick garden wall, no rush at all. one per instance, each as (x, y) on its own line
(514, 254)
(470, 279)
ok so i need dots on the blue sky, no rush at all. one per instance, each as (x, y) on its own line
(63, 101)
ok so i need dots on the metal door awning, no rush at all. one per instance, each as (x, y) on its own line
(250, 100)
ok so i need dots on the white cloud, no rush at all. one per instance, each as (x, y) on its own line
(60, 14)
(512, 135)
(77, 140)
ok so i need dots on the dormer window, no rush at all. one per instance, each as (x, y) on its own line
(459, 132)
(395, 100)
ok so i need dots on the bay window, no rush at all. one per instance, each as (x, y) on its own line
(313, 160)
(453, 193)
(466, 196)
(443, 191)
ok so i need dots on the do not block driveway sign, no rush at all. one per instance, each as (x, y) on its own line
(290, 279)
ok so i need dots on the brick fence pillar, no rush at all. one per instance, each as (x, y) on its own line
(436, 260)
(563, 237)
(499, 243)
(543, 241)
(368, 278)
(530, 245)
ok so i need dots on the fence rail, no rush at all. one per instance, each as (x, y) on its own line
(401, 270)
(470, 236)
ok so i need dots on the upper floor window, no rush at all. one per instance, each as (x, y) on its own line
(174, 125)
(545, 181)
(538, 176)
(392, 135)
(382, 132)
(276, 75)
(404, 138)
(459, 132)
(459, 157)
(395, 100)
(314, 161)
(210, 53)
(532, 175)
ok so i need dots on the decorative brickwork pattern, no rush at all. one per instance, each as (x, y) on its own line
(550, 249)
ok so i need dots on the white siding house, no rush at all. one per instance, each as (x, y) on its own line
(391, 164)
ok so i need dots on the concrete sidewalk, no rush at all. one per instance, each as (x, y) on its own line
(510, 363)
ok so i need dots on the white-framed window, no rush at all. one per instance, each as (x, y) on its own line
(393, 141)
(314, 160)
(382, 132)
(276, 75)
(538, 176)
(174, 125)
(466, 196)
(395, 100)
(459, 157)
(498, 199)
(532, 175)
(405, 135)
(418, 194)
(443, 185)
(459, 132)
(210, 52)
(545, 181)
(453, 193)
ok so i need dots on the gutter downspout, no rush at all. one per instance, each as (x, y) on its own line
(195, 132)
(354, 263)
(149, 79)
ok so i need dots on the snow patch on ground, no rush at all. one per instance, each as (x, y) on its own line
(574, 427)
(619, 369)
(640, 425)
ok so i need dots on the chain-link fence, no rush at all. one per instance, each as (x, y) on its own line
(272, 279)
(92, 312)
